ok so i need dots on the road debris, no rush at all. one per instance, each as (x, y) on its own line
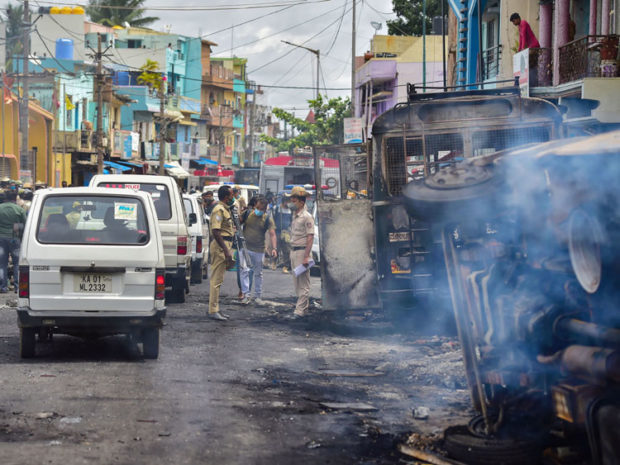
(426, 456)
(70, 420)
(45, 415)
(421, 413)
(358, 406)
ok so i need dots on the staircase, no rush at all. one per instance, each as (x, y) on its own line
(461, 47)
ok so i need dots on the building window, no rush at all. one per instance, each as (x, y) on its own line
(134, 43)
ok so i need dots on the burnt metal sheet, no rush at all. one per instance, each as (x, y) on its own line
(347, 268)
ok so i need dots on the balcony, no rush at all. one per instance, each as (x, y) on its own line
(537, 63)
(74, 141)
(219, 76)
(589, 56)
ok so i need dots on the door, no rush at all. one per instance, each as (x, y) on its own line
(349, 278)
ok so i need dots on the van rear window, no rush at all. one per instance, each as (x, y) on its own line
(159, 193)
(111, 220)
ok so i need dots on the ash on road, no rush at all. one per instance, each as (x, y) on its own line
(257, 389)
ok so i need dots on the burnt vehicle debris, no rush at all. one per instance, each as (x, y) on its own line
(396, 254)
(531, 245)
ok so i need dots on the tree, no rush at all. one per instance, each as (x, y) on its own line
(14, 47)
(128, 11)
(326, 129)
(410, 16)
(149, 76)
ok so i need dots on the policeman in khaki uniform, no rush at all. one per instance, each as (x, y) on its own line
(302, 235)
(220, 248)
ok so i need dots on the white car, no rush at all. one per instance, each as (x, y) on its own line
(91, 264)
(199, 233)
(172, 223)
(247, 191)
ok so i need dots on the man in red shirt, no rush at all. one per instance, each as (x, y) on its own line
(527, 39)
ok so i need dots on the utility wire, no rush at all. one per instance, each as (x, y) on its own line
(304, 42)
(248, 21)
(281, 31)
(241, 6)
(344, 10)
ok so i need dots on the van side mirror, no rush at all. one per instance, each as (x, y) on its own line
(193, 219)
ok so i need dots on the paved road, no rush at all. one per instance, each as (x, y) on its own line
(246, 391)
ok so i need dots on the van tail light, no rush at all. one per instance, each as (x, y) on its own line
(181, 245)
(160, 284)
(24, 282)
(199, 244)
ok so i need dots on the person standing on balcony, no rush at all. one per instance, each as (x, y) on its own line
(527, 38)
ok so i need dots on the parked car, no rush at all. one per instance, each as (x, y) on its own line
(172, 223)
(91, 264)
(199, 233)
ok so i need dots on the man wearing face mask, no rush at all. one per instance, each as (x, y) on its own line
(220, 248)
(255, 226)
(302, 235)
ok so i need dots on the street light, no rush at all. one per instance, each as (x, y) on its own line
(318, 60)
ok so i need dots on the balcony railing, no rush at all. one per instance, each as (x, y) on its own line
(589, 56)
(490, 62)
(74, 141)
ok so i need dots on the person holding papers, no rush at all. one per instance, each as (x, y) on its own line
(302, 235)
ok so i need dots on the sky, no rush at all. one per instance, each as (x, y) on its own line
(259, 41)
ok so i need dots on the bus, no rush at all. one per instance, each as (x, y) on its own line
(402, 253)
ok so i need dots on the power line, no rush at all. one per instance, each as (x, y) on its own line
(339, 26)
(248, 21)
(304, 42)
(279, 32)
(241, 6)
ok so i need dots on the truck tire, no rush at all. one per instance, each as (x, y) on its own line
(27, 342)
(150, 343)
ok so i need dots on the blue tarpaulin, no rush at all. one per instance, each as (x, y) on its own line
(117, 166)
(205, 161)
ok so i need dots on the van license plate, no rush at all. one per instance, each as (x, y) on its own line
(92, 283)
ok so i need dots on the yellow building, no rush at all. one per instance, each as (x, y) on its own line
(40, 123)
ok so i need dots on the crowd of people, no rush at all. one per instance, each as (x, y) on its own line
(234, 225)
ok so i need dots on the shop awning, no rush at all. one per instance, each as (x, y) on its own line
(117, 166)
(205, 161)
(176, 171)
(130, 163)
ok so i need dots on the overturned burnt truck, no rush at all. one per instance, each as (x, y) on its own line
(531, 244)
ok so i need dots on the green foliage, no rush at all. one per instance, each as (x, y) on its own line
(14, 47)
(133, 14)
(326, 129)
(410, 19)
(150, 76)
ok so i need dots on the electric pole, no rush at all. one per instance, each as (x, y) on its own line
(353, 63)
(250, 154)
(99, 84)
(162, 126)
(24, 154)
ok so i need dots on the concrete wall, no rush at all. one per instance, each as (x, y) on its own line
(606, 91)
(509, 34)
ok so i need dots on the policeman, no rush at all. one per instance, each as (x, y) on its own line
(302, 236)
(220, 253)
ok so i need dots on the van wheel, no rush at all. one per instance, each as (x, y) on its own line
(27, 342)
(150, 343)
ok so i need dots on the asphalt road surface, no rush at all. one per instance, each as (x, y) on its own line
(257, 389)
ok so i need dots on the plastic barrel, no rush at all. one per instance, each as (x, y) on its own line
(64, 49)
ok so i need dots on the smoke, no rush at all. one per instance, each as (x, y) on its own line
(526, 251)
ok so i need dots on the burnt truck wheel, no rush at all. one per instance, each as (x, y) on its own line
(150, 343)
(27, 342)
(461, 190)
(464, 446)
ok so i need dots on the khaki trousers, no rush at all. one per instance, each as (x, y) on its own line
(217, 260)
(302, 283)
